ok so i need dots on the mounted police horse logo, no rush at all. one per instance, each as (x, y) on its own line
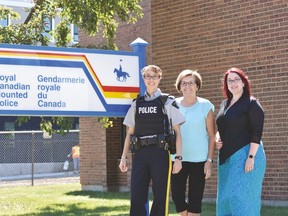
(121, 75)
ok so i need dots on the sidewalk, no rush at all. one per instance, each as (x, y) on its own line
(40, 179)
(38, 175)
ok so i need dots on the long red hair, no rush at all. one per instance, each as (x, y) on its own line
(246, 89)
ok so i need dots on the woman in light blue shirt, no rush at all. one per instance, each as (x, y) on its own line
(198, 143)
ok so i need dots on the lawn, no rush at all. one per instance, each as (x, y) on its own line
(68, 199)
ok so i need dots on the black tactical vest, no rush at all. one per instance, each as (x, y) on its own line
(149, 117)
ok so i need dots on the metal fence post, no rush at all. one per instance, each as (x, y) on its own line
(32, 158)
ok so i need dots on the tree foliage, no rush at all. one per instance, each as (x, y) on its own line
(91, 16)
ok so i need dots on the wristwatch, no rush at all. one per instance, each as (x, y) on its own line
(178, 157)
(210, 160)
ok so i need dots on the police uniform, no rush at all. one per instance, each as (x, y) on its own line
(151, 162)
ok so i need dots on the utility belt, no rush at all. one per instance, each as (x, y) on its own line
(162, 142)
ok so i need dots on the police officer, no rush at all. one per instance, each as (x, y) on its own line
(146, 121)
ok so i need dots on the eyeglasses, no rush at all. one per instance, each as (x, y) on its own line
(231, 81)
(148, 77)
(190, 83)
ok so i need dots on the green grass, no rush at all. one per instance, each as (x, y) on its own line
(68, 199)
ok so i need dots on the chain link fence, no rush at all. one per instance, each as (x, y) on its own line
(35, 154)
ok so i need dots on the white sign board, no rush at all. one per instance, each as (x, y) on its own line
(66, 81)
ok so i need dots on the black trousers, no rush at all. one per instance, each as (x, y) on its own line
(150, 163)
(195, 173)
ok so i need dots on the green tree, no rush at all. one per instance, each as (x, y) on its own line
(91, 16)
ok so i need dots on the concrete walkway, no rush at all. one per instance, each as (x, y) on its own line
(40, 179)
(38, 176)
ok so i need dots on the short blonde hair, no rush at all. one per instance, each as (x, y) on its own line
(153, 68)
(186, 73)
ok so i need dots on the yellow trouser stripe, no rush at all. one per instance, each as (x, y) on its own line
(168, 186)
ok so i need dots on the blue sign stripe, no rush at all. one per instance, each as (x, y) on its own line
(120, 112)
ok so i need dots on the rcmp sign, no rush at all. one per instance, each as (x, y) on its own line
(66, 81)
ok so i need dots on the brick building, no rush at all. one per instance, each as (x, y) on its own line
(210, 36)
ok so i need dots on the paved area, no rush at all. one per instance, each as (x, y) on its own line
(40, 179)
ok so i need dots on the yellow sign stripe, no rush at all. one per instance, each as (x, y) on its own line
(124, 95)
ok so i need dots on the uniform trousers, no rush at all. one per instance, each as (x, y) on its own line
(150, 163)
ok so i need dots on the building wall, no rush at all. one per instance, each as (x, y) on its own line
(93, 164)
(212, 36)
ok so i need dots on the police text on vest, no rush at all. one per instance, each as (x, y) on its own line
(147, 110)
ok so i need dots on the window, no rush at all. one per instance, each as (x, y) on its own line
(76, 126)
(4, 22)
(47, 24)
(9, 137)
(75, 33)
(9, 126)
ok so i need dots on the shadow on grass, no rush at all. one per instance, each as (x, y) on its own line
(74, 209)
(114, 195)
(100, 195)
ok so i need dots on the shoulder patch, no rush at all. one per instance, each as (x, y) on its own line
(163, 98)
(175, 104)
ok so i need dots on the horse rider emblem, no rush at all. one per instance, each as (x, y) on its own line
(121, 75)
